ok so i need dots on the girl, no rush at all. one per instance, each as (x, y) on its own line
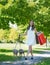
(30, 38)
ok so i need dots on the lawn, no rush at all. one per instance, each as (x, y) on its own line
(6, 53)
(45, 61)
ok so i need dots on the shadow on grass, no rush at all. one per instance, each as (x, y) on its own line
(43, 48)
(37, 51)
(45, 61)
(4, 57)
(5, 50)
(34, 51)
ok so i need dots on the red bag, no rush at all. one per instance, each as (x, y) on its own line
(41, 39)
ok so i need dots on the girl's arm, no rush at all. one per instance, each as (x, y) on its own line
(35, 30)
(23, 34)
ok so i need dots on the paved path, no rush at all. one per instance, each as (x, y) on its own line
(23, 61)
(37, 58)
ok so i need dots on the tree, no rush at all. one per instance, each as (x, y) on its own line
(22, 11)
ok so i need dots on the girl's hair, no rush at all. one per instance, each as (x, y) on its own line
(33, 26)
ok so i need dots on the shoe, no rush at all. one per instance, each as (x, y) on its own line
(25, 58)
(32, 58)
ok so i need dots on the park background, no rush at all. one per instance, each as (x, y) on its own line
(18, 13)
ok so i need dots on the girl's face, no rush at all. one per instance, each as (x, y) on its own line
(31, 23)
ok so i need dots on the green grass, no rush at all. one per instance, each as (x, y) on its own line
(36, 51)
(4, 57)
(45, 61)
(6, 53)
(43, 48)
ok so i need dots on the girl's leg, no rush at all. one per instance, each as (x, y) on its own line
(28, 52)
(30, 48)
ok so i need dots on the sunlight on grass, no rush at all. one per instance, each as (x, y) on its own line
(45, 61)
(6, 51)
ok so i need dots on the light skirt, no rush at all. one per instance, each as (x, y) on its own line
(31, 38)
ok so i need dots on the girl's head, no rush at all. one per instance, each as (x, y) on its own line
(31, 24)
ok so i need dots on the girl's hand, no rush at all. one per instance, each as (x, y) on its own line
(23, 34)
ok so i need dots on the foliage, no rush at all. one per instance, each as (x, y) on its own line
(13, 35)
(22, 11)
(10, 35)
(1, 34)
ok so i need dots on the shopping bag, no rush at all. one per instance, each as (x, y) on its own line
(41, 39)
(37, 39)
